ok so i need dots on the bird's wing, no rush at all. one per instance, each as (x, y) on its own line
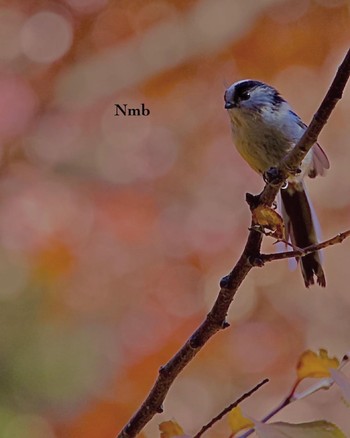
(320, 161)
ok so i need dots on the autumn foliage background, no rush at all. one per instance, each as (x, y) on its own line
(114, 231)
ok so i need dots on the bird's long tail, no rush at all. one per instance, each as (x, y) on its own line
(298, 217)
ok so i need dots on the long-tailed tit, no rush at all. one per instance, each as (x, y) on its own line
(264, 129)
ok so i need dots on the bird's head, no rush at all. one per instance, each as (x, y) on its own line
(250, 95)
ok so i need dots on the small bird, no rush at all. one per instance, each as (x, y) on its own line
(265, 129)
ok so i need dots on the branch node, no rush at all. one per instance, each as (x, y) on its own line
(160, 409)
(273, 176)
(162, 370)
(256, 261)
(252, 200)
(225, 282)
(225, 325)
(194, 343)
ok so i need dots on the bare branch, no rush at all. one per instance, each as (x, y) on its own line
(229, 408)
(216, 319)
(305, 251)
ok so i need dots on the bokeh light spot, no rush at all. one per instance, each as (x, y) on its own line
(44, 143)
(46, 37)
(30, 215)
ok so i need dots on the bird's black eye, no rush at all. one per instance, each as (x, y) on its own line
(245, 95)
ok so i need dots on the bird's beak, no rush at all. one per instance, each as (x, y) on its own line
(229, 105)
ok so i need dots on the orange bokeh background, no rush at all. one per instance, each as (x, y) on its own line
(115, 231)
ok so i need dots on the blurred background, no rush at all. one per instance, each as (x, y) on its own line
(115, 231)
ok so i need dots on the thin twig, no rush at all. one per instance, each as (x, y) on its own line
(216, 319)
(229, 408)
(305, 251)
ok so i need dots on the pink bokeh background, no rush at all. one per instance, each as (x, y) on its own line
(115, 231)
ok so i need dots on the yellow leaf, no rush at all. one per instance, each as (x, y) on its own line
(169, 429)
(237, 421)
(268, 218)
(315, 429)
(315, 365)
